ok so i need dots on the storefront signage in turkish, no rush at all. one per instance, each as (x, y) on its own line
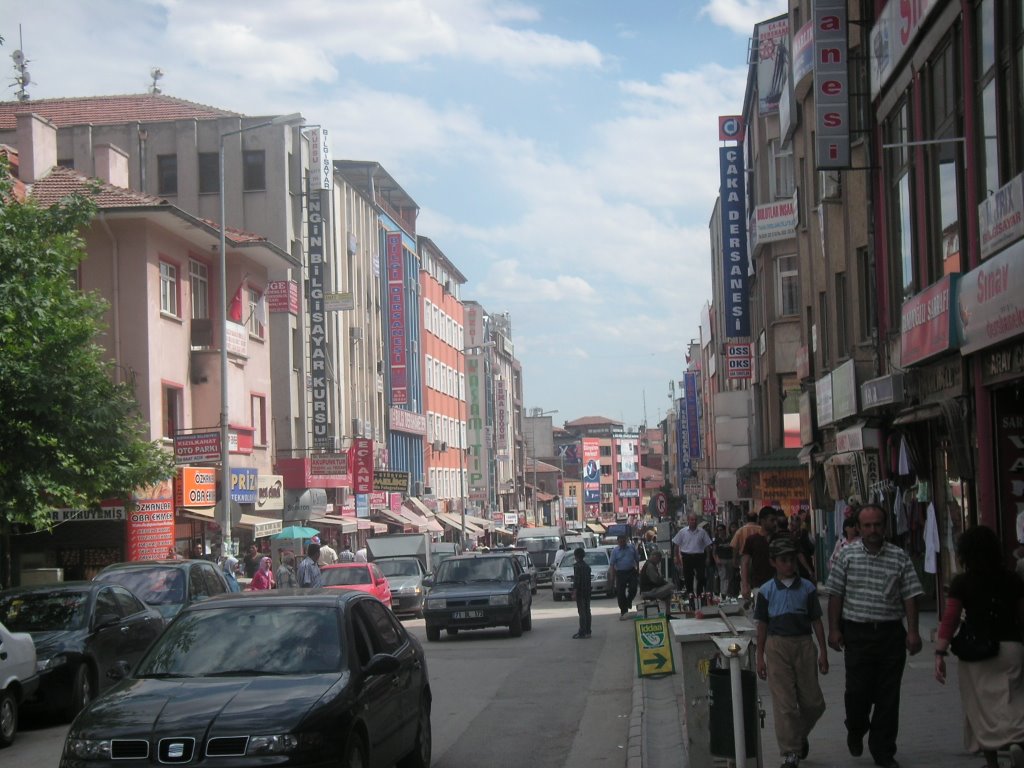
(684, 466)
(772, 63)
(1002, 364)
(196, 487)
(823, 398)
(322, 432)
(104, 513)
(390, 480)
(927, 324)
(831, 84)
(893, 34)
(783, 484)
(939, 381)
(329, 464)
(245, 485)
(407, 421)
(149, 532)
(282, 296)
(737, 361)
(692, 414)
(776, 221)
(196, 447)
(270, 493)
(361, 456)
(1001, 217)
(340, 301)
(629, 493)
(500, 414)
(844, 391)
(991, 303)
(321, 170)
(803, 52)
(734, 242)
(885, 390)
(395, 264)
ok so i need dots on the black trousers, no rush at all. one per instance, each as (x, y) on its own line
(583, 609)
(875, 656)
(694, 570)
(625, 589)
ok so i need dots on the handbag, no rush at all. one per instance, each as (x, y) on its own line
(972, 643)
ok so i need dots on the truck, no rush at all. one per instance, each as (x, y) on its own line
(541, 544)
(404, 558)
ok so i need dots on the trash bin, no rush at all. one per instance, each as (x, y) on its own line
(720, 712)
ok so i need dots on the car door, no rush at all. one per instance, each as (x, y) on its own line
(381, 696)
(522, 585)
(106, 643)
(143, 625)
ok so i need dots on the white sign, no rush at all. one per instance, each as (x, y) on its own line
(321, 174)
(339, 302)
(776, 221)
(237, 339)
(1001, 217)
(823, 399)
(991, 300)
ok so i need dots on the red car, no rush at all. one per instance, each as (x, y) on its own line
(365, 577)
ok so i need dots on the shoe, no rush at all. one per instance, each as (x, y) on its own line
(623, 617)
(805, 748)
(790, 760)
(586, 636)
(887, 762)
(578, 635)
(1016, 756)
(855, 744)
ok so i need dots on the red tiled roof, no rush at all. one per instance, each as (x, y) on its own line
(109, 110)
(590, 421)
(61, 182)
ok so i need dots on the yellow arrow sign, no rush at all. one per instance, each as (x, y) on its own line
(653, 649)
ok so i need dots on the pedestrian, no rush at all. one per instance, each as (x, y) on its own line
(722, 556)
(872, 587)
(230, 569)
(251, 561)
(752, 526)
(309, 571)
(653, 584)
(560, 553)
(692, 543)
(581, 588)
(346, 555)
(851, 535)
(805, 561)
(622, 570)
(264, 576)
(755, 563)
(285, 577)
(328, 554)
(787, 613)
(991, 690)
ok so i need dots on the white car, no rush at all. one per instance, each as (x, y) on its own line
(597, 559)
(18, 679)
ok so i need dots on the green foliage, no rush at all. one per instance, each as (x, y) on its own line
(69, 435)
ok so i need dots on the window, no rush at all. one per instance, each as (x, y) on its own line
(781, 178)
(869, 299)
(209, 173)
(199, 282)
(944, 164)
(898, 172)
(255, 318)
(427, 325)
(430, 372)
(254, 170)
(167, 174)
(842, 318)
(169, 289)
(823, 329)
(787, 286)
(259, 419)
(172, 409)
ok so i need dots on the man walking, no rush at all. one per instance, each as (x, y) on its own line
(309, 571)
(871, 588)
(755, 562)
(692, 544)
(622, 565)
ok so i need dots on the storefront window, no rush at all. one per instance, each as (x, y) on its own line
(989, 166)
(904, 226)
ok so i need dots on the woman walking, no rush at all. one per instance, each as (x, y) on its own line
(992, 690)
(264, 577)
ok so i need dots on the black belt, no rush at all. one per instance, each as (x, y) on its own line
(875, 625)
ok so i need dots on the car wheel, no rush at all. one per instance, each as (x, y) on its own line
(82, 692)
(433, 633)
(515, 628)
(419, 757)
(355, 753)
(452, 630)
(528, 621)
(8, 717)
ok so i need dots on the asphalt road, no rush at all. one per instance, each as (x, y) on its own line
(543, 700)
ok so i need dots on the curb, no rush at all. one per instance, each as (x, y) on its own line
(635, 742)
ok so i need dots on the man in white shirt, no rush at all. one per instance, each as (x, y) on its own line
(328, 555)
(692, 544)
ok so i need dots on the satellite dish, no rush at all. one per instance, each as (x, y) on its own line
(24, 78)
(18, 57)
(156, 73)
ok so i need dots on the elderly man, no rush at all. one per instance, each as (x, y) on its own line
(653, 584)
(872, 586)
(692, 545)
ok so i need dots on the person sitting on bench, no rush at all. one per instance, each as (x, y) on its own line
(653, 584)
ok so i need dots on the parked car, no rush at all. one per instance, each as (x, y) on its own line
(597, 559)
(18, 679)
(311, 678)
(167, 585)
(478, 591)
(365, 577)
(524, 560)
(405, 575)
(83, 631)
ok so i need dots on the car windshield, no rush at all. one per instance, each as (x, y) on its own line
(244, 641)
(44, 611)
(541, 544)
(345, 577)
(591, 557)
(475, 569)
(400, 566)
(156, 585)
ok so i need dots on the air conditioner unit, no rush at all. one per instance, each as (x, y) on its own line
(436, 446)
(336, 443)
(356, 334)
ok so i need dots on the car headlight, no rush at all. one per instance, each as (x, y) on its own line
(42, 665)
(561, 577)
(499, 600)
(88, 749)
(277, 744)
(436, 603)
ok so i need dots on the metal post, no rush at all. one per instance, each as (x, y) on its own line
(736, 684)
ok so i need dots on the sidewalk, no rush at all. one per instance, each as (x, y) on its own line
(931, 725)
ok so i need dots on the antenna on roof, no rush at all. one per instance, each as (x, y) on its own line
(156, 73)
(22, 77)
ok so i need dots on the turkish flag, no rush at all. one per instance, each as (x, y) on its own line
(235, 307)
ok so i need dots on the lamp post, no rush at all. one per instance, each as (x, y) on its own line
(225, 449)
(537, 414)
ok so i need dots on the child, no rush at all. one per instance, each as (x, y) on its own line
(787, 610)
(581, 593)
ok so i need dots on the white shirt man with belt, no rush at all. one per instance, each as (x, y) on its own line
(692, 544)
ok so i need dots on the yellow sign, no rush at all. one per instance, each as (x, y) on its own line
(653, 647)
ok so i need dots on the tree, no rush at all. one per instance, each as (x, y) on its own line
(69, 434)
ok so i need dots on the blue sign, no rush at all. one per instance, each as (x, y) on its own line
(245, 485)
(362, 505)
(684, 467)
(692, 414)
(734, 243)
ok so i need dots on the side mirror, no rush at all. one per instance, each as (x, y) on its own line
(107, 620)
(524, 577)
(381, 664)
(428, 581)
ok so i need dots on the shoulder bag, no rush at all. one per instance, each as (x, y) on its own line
(973, 642)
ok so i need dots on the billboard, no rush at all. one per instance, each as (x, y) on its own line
(772, 63)
(395, 260)
(591, 471)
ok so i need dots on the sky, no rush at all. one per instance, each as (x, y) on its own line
(562, 152)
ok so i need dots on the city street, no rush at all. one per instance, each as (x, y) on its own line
(498, 701)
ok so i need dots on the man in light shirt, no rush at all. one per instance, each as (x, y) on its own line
(692, 544)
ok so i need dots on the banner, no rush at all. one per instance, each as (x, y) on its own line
(692, 414)
(734, 243)
(591, 471)
(150, 529)
(391, 481)
(361, 458)
(395, 260)
(318, 327)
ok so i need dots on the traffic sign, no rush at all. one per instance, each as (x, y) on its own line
(653, 648)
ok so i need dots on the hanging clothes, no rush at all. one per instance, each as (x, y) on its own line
(899, 510)
(905, 467)
(931, 540)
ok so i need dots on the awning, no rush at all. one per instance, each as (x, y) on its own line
(347, 524)
(368, 525)
(393, 518)
(595, 528)
(480, 522)
(261, 526)
(780, 458)
(199, 513)
(419, 507)
(806, 455)
(455, 523)
(502, 531)
(920, 413)
(421, 523)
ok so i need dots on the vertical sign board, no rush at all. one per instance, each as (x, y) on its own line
(653, 647)
(592, 474)
(738, 361)
(395, 256)
(831, 85)
(317, 322)
(361, 458)
(321, 173)
(683, 463)
(692, 414)
(772, 63)
(734, 242)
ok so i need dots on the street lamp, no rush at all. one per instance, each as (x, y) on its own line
(225, 449)
(537, 414)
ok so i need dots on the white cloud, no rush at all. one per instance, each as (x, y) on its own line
(741, 15)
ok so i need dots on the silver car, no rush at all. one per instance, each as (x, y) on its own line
(597, 559)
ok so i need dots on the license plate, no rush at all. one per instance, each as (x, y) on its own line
(468, 615)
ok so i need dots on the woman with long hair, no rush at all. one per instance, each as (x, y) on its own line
(991, 597)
